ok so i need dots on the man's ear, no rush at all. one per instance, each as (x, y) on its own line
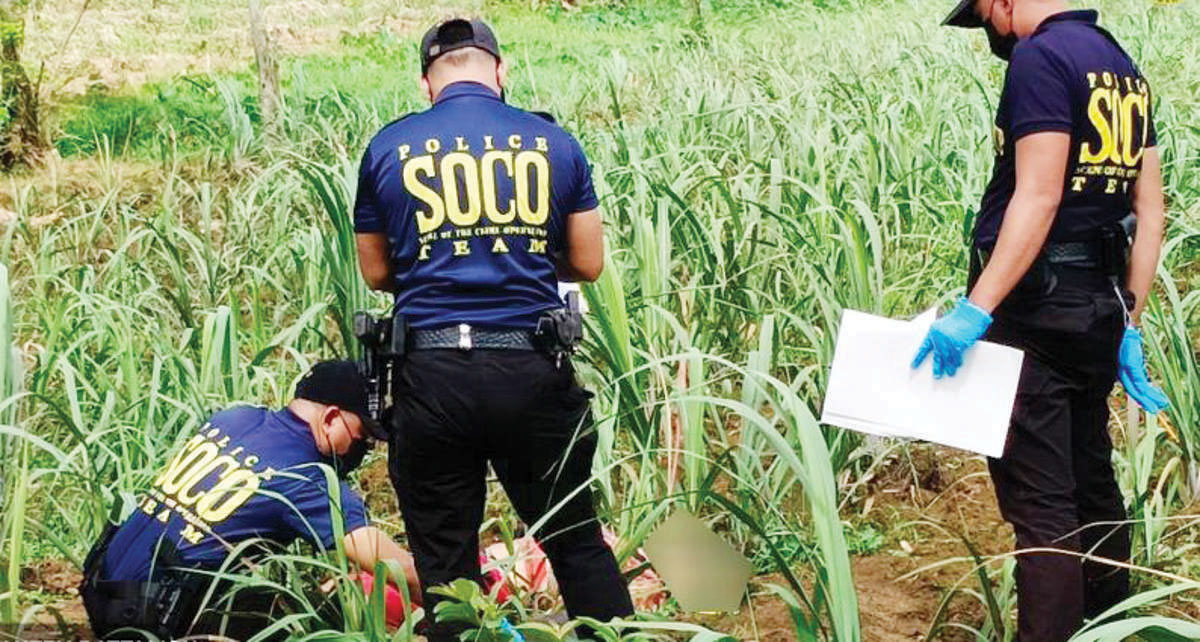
(502, 73)
(1007, 8)
(328, 415)
(426, 88)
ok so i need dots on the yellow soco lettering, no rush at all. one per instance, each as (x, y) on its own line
(435, 214)
(197, 458)
(177, 465)
(1112, 114)
(1100, 122)
(227, 496)
(470, 186)
(1129, 104)
(533, 208)
(186, 496)
(488, 169)
(460, 214)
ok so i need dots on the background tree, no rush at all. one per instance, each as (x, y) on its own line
(21, 137)
(268, 68)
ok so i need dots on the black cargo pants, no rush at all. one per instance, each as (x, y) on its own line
(457, 410)
(1055, 482)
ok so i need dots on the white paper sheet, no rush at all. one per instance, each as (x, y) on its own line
(873, 389)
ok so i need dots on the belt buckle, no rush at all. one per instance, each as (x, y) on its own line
(464, 336)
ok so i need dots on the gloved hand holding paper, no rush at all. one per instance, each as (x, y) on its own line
(874, 389)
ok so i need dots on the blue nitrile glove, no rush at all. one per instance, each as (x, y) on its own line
(1133, 373)
(508, 628)
(950, 336)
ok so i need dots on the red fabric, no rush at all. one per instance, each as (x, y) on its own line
(392, 598)
(527, 571)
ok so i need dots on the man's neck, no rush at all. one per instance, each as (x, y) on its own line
(307, 410)
(490, 83)
(1031, 15)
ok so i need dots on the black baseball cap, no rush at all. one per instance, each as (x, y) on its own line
(964, 15)
(457, 33)
(339, 383)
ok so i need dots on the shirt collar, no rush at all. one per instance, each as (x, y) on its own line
(292, 421)
(1089, 16)
(465, 88)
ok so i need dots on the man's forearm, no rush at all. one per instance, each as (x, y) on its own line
(1026, 225)
(1143, 259)
(368, 544)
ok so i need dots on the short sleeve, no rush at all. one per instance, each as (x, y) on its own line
(583, 193)
(1039, 92)
(367, 219)
(311, 513)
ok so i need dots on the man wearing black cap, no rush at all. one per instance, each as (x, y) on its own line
(1053, 273)
(248, 474)
(470, 212)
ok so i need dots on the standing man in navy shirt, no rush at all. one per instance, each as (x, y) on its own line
(1054, 274)
(470, 212)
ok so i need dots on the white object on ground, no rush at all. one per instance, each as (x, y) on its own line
(873, 388)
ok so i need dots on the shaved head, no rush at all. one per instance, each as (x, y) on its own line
(466, 64)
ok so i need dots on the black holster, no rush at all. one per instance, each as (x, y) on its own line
(384, 341)
(162, 606)
(560, 331)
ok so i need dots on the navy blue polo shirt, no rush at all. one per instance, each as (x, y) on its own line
(248, 473)
(473, 195)
(1071, 76)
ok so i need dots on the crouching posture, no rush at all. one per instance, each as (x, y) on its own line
(249, 474)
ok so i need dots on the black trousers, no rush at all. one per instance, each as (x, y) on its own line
(455, 411)
(169, 607)
(1055, 482)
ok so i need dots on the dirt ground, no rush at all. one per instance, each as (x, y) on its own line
(922, 502)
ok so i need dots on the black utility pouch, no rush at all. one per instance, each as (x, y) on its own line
(560, 331)
(1116, 242)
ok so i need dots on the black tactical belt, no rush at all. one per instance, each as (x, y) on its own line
(1080, 254)
(465, 337)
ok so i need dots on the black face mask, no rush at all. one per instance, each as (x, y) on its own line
(1002, 46)
(345, 464)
